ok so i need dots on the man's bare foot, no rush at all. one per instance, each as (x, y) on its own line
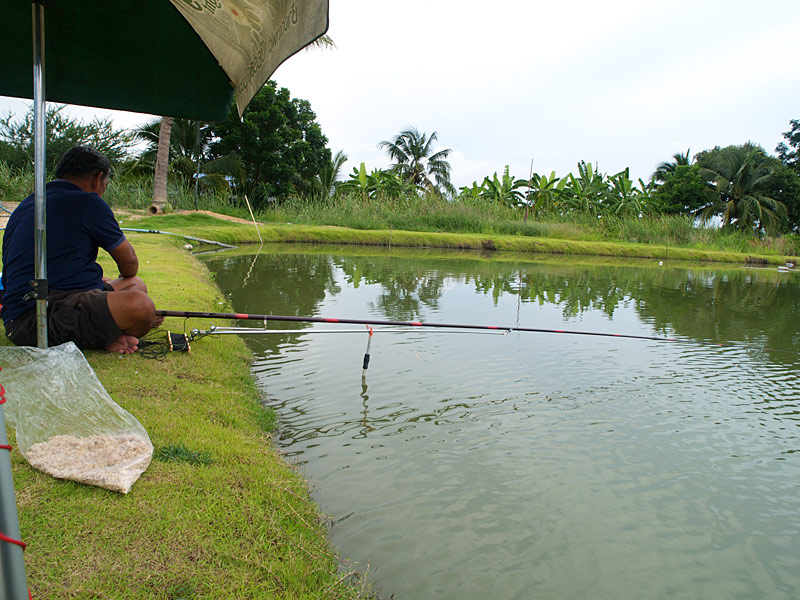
(124, 344)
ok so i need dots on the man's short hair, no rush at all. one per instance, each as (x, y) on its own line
(82, 161)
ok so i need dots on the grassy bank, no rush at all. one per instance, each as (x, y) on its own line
(433, 214)
(208, 227)
(219, 515)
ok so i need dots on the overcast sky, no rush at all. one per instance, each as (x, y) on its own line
(622, 83)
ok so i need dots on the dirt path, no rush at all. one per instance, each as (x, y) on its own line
(128, 214)
(4, 215)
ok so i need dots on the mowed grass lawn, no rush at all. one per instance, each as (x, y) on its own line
(237, 524)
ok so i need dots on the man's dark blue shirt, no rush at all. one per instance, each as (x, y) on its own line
(78, 223)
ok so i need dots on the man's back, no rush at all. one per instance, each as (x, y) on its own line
(78, 223)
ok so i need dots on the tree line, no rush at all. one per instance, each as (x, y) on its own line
(742, 186)
(277, 150)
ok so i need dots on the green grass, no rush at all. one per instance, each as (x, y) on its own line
(238, 525)
(180, 453)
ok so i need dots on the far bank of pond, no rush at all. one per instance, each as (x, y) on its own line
(237, 232)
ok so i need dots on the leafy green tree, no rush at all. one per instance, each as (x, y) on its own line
(415, 161)
(667, 169)
(63, 132)
(739, 176)
(789, 154)
(280, 144)
(684, 191)
(784, 186)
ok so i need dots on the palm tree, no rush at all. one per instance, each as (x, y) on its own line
(665, 169)
(416, 162)
(162, 166)
(735, 174)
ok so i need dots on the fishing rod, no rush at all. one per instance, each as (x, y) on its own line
(186, 237)
(497, 328)
(181, 341)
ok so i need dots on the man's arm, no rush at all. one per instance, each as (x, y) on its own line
(125, 257)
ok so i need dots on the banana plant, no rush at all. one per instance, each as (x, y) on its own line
(472, 192)
(359, 182)
(377, 183)
(585, 193)
(543, 192)
(623, 197)
(505, 190)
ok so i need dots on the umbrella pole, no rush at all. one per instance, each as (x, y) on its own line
(13, 583)
(40, 208)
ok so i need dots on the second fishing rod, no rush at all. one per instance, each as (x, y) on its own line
(377, 322)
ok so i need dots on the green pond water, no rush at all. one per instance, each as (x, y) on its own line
(529, 465)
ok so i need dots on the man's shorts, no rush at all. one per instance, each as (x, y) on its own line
(82, 317)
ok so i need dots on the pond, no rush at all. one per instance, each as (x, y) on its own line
(539, 465)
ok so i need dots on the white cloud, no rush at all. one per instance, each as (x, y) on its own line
(620, 83)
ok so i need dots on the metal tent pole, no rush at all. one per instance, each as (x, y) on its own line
(40, 207)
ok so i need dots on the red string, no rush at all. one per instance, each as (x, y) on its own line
(5, 538)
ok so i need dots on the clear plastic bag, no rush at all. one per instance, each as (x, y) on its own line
(66, 423)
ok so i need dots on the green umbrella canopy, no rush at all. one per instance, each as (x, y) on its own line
(181, 58)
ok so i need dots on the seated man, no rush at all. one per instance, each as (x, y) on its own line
(83, 306)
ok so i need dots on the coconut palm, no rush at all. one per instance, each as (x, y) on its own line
(665, 169)
(416, 162)
(185, 147)
(330, 173)
(737, 174)
(162, 164)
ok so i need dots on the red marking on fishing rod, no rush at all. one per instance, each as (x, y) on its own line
(336, 321)
(416, 323)
(241, 316)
